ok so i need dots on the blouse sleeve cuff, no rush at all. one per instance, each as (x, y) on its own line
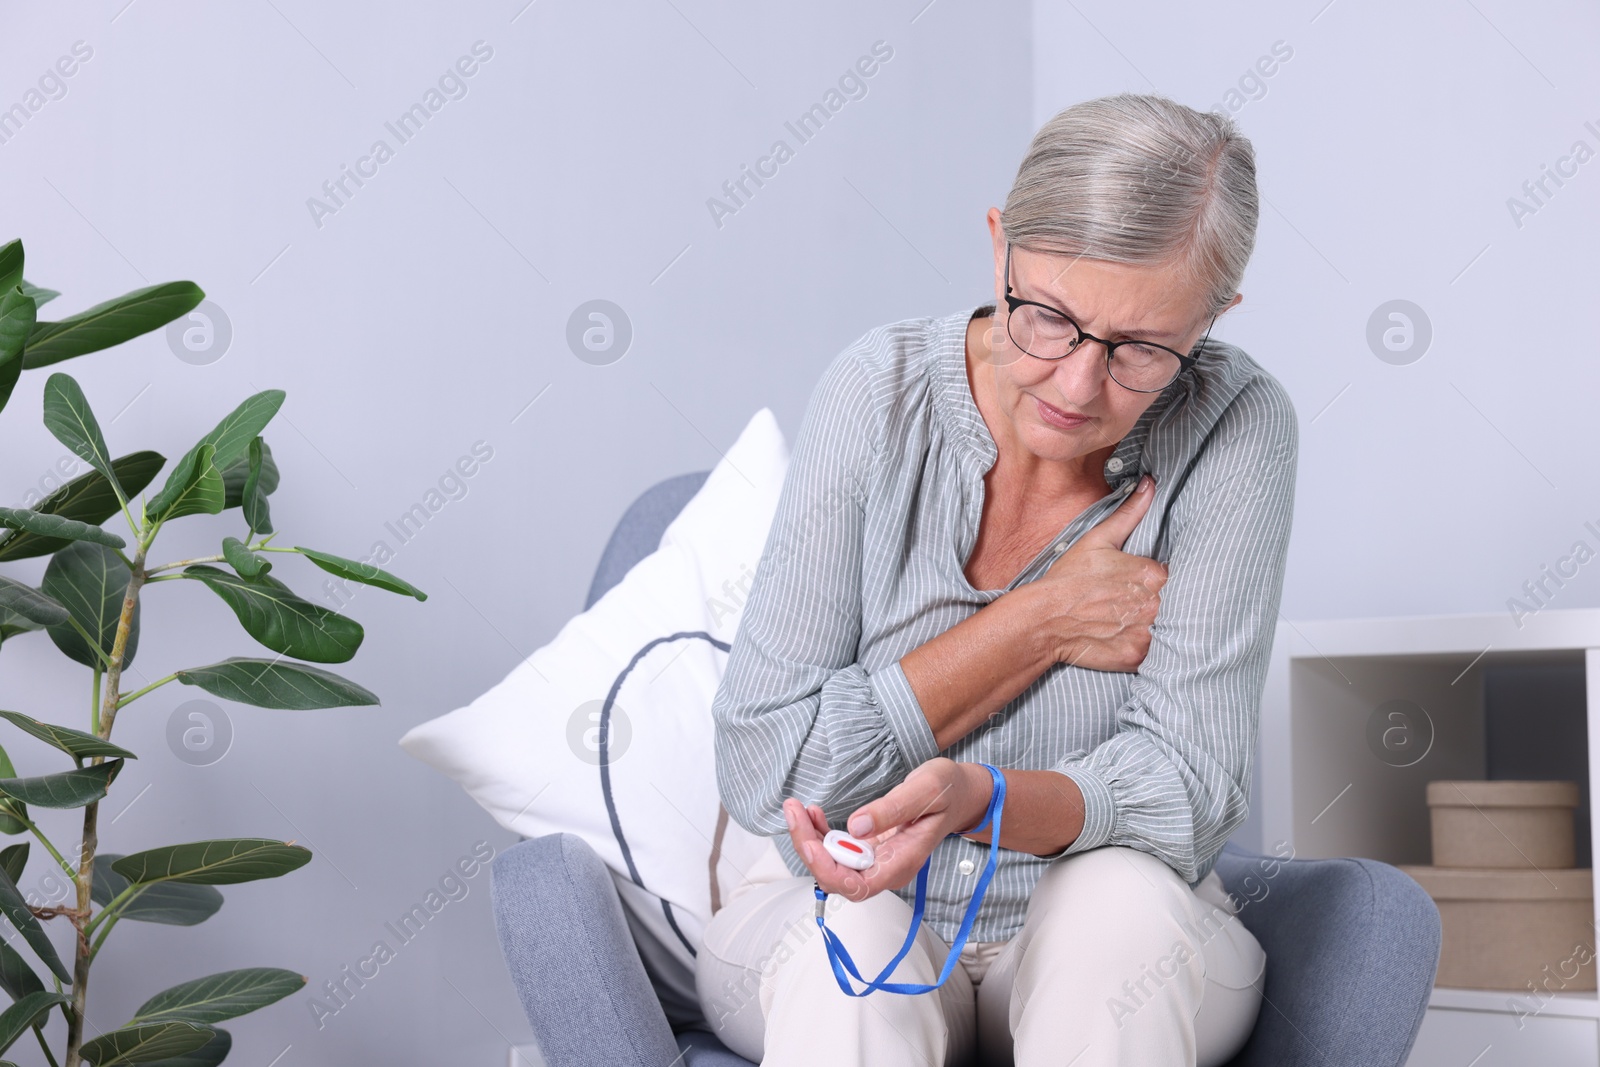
(1099, 810)
(892, 693)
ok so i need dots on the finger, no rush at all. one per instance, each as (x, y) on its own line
(906, 802)
(1114, 529)
(807, 825)
(854, 884)
(899, 862)
(835, 877)
(801, 827)
(831, 875)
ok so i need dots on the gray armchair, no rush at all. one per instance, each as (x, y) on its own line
(1352, 944)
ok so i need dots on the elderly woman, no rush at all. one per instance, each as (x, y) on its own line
(1046, 535)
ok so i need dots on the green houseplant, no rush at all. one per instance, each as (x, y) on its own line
(88, 605)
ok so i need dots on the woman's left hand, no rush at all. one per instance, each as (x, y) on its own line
(904, 825)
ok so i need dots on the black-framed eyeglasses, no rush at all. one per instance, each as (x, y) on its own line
(1044, 332)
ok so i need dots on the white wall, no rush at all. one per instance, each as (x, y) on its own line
(424, 316)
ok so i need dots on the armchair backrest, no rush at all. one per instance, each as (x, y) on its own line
(638, 532)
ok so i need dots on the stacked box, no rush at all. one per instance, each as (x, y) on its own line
(1516, 913)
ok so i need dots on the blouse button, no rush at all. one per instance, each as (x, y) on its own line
(1114, 464)
(966, 867)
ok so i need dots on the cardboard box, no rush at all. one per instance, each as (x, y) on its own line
(1506, 928)
(1503, 824)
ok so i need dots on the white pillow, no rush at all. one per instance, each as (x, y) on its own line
(528, 750)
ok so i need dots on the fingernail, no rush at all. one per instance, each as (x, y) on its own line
(788, 815)
(861, 825)
(1145, 483)
(805, 846)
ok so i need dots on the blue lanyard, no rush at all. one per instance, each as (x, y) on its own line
(836, 950)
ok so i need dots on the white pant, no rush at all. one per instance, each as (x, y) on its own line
(1118, 962)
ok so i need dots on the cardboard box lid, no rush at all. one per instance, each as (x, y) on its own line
(1487, 883)
(1503, 794)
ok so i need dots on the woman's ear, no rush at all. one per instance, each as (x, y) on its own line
(997, 237)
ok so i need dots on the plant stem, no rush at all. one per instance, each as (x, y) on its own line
(94, 703)
(136, 694)
(39, 1033)
(105, 931)
(113, 906)
(91, 813)
(122, 500)
(43, 840)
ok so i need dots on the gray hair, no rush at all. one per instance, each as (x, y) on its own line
(1140, 179)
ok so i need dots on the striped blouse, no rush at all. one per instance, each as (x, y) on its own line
(864, 561)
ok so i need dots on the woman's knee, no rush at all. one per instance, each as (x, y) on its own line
(769, 961)
(1108, 940)
(1118, 909)
(744, 944)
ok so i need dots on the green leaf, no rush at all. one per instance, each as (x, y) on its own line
(242, 560)
(12, 624)
(16, 909)
(17, 314)
(16, 977)
(209, 1054)
(74, 743)
(272, 614)
(25, 1014)
(68, 789)
(232, 436)
(41, 297)
(68, 417)
(269, 683)
(356, 571)
(32, 604)
(111, 323)
(11, 264)
(8, 823)
(14, 860)
(90, 581)
(56, 526)
(221, 996)
(145, 1043)
(240, 859)
(168, 903)
(227, 442)
(87, 498)
(260, 479)
(238, 472)
(194, 487)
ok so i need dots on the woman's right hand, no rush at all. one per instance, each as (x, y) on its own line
(1099, 600)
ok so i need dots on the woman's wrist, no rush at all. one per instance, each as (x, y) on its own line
(978, 792)
(1053, 635)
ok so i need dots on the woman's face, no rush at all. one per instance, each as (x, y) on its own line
(1069, 408)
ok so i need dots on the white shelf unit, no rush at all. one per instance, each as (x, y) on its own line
(1330, 789)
